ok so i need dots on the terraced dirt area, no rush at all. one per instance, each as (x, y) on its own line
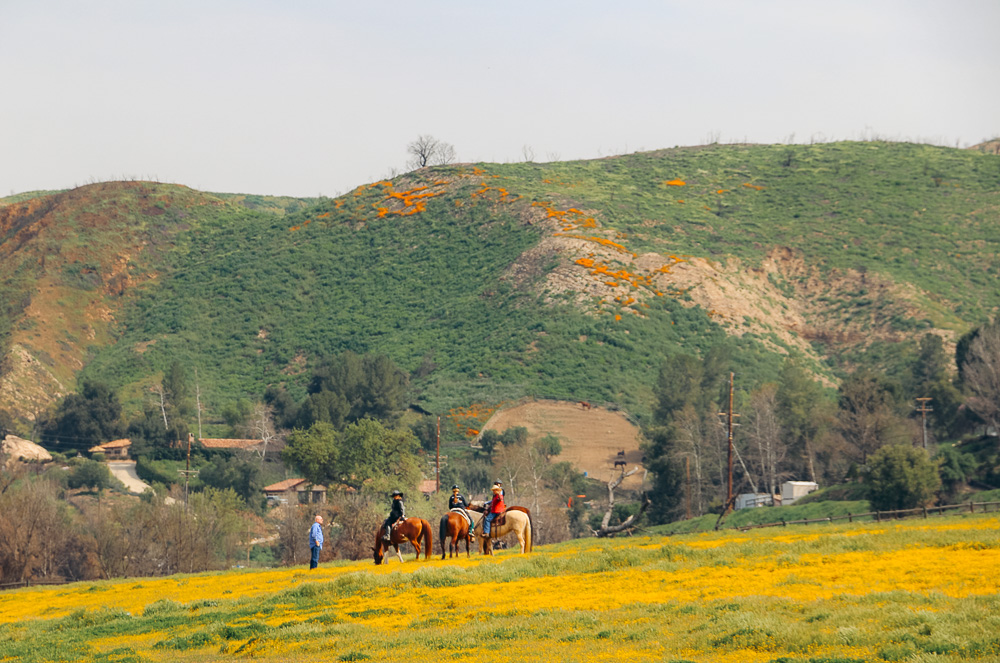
(590, 438)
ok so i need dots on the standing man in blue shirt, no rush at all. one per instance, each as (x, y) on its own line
(315, 541)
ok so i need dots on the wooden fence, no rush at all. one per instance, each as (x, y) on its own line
(878, 516)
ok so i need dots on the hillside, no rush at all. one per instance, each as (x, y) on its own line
(906, 590)
(493, 282)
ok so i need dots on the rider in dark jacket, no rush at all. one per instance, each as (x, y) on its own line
(396, 514)
(457, 501)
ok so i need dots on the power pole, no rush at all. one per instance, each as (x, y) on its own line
(730, 498)
(187, 471)
(437, 465)
(923, 410)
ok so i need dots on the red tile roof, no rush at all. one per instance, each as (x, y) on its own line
(282, 486)
(292, 484)
(219, 443)
(114, 444)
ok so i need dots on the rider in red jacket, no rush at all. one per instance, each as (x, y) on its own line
(495, 508)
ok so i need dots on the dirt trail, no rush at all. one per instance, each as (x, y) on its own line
(590, 438)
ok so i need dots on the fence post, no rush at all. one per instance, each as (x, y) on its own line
(783, 523)
(925, 513)
(878, 517)
(972, 507)
(850, 518)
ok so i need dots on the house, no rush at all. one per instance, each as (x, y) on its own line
(298, 489)
(793, 490)
(234, 444)
(750, 500)
(116, 449)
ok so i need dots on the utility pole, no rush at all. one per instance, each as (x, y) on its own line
(187, 471)
(923, 410)
(730, 498)
(437, 465)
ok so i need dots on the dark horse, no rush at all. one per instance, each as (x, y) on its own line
(410, 530)
(454, 526)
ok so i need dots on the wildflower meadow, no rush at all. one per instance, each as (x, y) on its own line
(915, 590)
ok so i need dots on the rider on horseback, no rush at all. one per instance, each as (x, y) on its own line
(457, 502)
(396, 514)
(494, 509)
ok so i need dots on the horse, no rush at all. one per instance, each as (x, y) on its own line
(620, 459)
(410, 530)
(517, 520)
(454, 526)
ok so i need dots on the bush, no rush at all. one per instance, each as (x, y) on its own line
(901, 477)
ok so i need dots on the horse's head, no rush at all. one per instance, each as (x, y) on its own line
(378, 556)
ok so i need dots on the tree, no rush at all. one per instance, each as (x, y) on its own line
(901, 477)
(348, 387)
(427, 150)
(930, 378)
(314, 452)
(800, 409)
(365, 454)
(762, 429)
(956, 468)
(866, 417)
(239, 475)
(981, 373)
(90, 417)
(91, 474)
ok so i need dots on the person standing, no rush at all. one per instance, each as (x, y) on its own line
(315, 541)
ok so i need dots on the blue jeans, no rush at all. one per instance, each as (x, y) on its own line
(486, 523)
(314, 561)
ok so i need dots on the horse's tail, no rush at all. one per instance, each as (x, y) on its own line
(428, 538)
(443, 532)
(527, 537)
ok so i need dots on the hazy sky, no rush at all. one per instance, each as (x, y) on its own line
(309, 97)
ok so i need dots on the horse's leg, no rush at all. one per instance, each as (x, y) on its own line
(398, 554)
(520, 538)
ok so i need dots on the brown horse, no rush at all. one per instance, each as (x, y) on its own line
(409, 531)
(454, 526)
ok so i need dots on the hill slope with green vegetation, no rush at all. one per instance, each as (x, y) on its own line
(491, 282)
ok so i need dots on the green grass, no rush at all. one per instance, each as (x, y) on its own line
(433, 285)
(344, 618)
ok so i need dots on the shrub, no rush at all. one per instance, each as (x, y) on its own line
(901, 477)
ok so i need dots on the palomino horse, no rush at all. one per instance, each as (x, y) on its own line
(410, 530)
(517, 520)
(454, 526)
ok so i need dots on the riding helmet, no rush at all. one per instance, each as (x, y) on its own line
(396, 492)
(455, 487)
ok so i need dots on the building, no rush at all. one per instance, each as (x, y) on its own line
(793, 490)
(233, 444)
(751, 500)
(116, 449)
(299, 490)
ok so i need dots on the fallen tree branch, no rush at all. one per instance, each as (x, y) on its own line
(606, 529)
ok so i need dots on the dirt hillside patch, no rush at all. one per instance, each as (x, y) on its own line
(590, 438)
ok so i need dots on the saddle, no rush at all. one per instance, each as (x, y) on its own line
(498, 522)
(467, 517)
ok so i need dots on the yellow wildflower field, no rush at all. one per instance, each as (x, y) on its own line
(909, 590)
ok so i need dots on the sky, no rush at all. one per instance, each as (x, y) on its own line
(315, 97)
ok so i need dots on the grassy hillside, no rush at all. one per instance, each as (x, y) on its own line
(909, 590)
(569, 280)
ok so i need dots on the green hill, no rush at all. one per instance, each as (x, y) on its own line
(490, 282)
